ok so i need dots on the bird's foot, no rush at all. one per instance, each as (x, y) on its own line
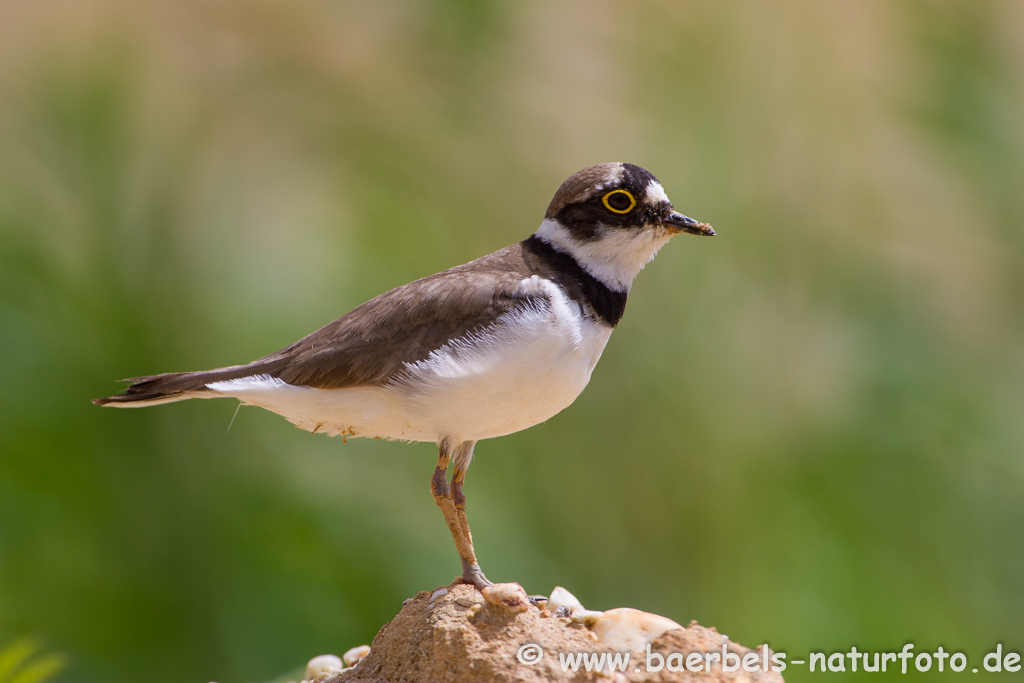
(471, 573)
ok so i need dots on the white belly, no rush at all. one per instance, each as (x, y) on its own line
(520, 372)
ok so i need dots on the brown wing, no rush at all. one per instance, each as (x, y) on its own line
(376, 340)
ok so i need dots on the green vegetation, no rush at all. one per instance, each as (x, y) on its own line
(22, 662)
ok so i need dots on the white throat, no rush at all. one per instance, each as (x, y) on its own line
(614, 258)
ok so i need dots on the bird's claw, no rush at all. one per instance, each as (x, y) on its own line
(474, 575)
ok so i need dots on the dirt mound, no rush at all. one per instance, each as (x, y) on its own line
(457, 634)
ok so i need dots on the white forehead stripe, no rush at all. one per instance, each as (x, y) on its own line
(656, 193)
(613, 177)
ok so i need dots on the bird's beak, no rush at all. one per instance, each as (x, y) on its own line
(681, 223)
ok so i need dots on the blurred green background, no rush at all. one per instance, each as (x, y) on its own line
(806, 431)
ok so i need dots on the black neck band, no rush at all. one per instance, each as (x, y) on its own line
(607, 304)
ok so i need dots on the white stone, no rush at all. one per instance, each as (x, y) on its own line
(322, 664)
(563, 598)
(353, 656)
(508, 595)
(627, 629)
(439, 593)
(587, 617)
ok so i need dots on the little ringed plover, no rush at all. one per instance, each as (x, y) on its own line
(484, 349)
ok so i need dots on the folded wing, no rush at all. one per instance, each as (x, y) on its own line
(371, 343)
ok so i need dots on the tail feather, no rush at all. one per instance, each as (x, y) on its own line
(153, 390)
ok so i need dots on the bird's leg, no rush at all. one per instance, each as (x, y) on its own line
(471, 570)
(443, 495)
(453, 506)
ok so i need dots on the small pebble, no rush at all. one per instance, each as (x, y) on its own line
(563, 598)
(439, 593)
(353, 656)
(587, 617)
(322, 664)
(511, 596)
(628, 629)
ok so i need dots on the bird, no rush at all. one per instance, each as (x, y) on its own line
(478, 351)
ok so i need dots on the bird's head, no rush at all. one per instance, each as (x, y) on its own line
(613, 218)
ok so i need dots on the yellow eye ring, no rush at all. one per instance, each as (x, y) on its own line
(632, 201)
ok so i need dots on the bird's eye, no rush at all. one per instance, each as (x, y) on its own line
(618, 201)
